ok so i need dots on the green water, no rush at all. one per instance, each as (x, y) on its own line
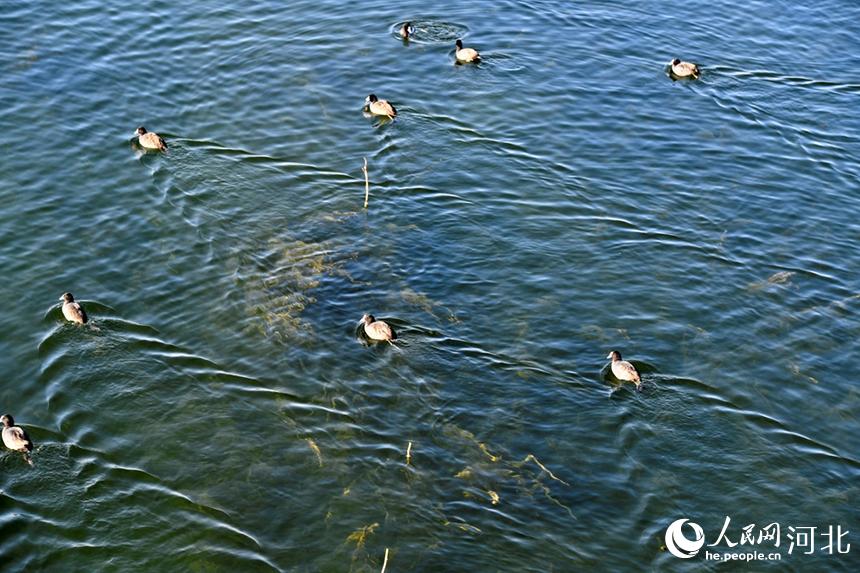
(527, 215)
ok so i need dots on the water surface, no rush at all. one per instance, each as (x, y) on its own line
(527, 215)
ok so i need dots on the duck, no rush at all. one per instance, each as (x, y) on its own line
(684, 69)
(73, 311)
(377, 329)
(15, 438)
(466, 55)
(407, 30)
(378, 106)
(623, 370)
(149, 139)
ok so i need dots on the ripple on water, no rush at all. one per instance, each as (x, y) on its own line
(493, 61)
(432, 31)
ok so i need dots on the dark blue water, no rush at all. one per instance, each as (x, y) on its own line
(563, 198)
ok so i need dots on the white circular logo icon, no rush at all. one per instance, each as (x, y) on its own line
(680, 546)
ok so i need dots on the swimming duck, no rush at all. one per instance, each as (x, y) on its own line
(466, 54)
(73, 311)
(150, 140)
(684, 69)
(378, 106)
(406, 30)
(623, 370)
(15, 438)
(377, 329)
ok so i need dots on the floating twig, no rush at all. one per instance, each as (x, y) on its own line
(408, 453)
(384, 561)
(366, 184)
(544, 468)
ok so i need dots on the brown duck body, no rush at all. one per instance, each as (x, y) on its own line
(378, 106)
(684, 69)
(150, 140)
(73, 311)
(466, 55)
(623, 370)
(377, 329)
(14, 437)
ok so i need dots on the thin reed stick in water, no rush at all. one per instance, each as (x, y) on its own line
(366, 184)
(385, 561)
(544, 468)
(408, 453)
